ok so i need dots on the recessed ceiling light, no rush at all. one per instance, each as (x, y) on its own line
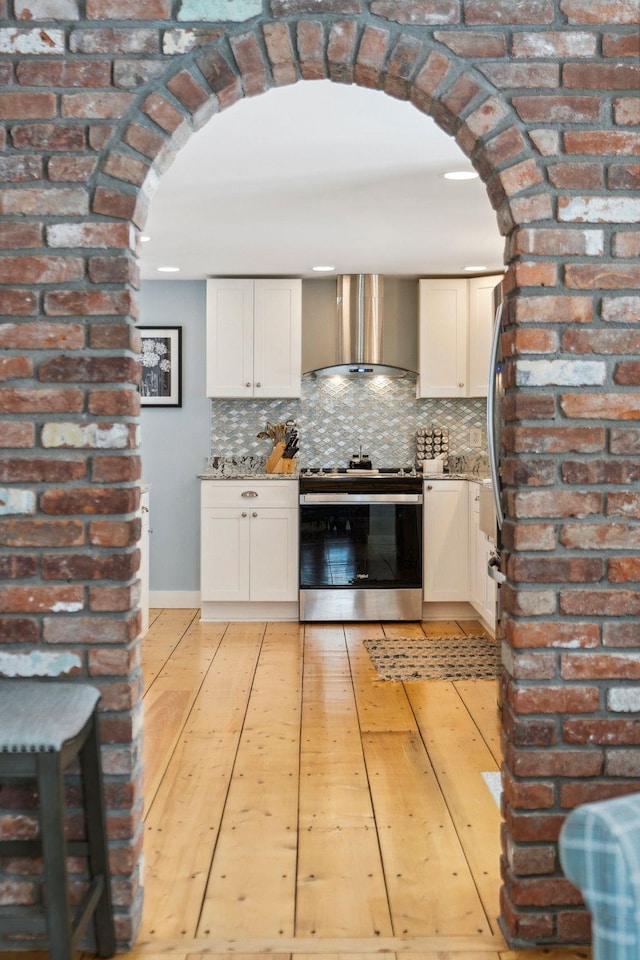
(461, 175)
(321, 269)
(473, 268)
(144, 238)
(168, 269)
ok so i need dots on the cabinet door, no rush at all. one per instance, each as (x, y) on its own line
(230, 338)
(446, 540)
(224, 554)
(277, 359)
(481, 315)
(442, 338)
(143, 571)
(477, 552)
(274, 554)
(482, 589)
(489, 595)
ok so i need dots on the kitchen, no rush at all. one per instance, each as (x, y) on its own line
(330, 414)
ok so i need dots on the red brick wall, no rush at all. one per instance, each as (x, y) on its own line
(95, 100)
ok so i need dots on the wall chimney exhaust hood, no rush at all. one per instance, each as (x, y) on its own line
(360, 314)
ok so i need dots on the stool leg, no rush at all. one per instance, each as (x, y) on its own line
(54, 852)
(97, 839)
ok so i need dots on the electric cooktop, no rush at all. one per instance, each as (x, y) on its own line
(400, 479)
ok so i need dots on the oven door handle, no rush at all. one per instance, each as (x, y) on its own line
(340, 498)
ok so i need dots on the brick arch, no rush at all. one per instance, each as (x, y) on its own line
(443, 86)
(69, 423)
(436, 81)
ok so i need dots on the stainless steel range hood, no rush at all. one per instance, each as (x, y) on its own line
(360, 315)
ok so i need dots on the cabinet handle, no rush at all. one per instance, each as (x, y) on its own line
(247, 384)
(258, 384)
(429, 487)
(245, 514)
(254, 514)
(461, 384)
(144, 509)
(248, 493)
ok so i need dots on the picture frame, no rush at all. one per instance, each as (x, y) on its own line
(161, 357)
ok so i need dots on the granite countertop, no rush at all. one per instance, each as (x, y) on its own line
(474, 477)
(253, 468)
(239, 467)
(255, 475)
(252, 475)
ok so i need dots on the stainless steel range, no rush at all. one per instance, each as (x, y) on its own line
(360, 545)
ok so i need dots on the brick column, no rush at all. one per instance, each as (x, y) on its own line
(96, 99)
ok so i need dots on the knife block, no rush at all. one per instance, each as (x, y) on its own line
(276, 462)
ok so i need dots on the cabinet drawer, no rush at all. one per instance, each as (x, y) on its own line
(235, 493)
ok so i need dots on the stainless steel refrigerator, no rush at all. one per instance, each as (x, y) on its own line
(494, 429)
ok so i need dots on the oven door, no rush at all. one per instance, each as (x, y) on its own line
(360, 556)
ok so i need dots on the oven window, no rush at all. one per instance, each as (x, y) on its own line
(360, 545)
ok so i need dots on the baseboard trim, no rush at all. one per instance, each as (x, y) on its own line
(216, 611)
(188, 599)
(488, 623)
(448, 610)
(176, 599)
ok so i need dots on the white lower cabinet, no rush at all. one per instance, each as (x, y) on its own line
(249, 542)
(249, 549)
(482, 588)
(143, 570)
(446, 541)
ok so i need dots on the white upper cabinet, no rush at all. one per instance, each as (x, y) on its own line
(442, 338)
(455, 323)
(230, 338)
(481, 317)
(254, 337)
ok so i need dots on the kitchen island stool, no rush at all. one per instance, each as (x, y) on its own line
(44, 726)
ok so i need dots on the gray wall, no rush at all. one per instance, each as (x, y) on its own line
(175, 440)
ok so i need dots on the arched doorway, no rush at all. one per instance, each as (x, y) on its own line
(239, 228)
(272, 187)
(486, 117)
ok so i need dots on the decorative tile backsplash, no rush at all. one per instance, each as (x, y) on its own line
(337, 415)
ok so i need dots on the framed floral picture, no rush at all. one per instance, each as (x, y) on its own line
(161, 358)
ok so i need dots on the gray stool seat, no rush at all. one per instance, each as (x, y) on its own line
(44, 726)
(38, 717)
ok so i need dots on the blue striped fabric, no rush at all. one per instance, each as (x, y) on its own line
(600, 854)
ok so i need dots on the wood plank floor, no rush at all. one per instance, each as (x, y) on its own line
(297, 807)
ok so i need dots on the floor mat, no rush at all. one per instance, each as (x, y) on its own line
(435, 658)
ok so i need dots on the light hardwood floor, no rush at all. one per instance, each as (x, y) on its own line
(297, 807)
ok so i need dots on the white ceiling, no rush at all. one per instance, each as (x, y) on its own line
(319, 173)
